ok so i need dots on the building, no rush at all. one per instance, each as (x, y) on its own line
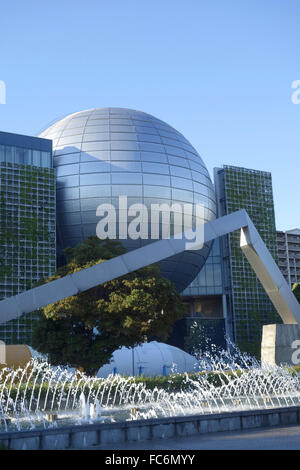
(27, 221)
(103, 153)
(248, 306)
(288, 245)
(206, 306)
(100, 154)
(226, 298)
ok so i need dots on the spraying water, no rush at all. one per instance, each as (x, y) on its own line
(224, 381)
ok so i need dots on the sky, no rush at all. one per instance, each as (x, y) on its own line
(219, 71)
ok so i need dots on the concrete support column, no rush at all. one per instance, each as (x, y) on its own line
(281, 344)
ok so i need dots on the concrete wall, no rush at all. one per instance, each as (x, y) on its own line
(82, 436)
(280, 344)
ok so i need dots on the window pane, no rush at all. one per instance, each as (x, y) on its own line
(2, 153)
(155, 168)
(157, 180)
(126, 178)
(129, 166)
(157, 191)
(67, 170)
(19, 156)
(94, 179)
(27, 157)
(182, 183)
(45, 159)
(36, 158)
(95, 167)
(9, 154)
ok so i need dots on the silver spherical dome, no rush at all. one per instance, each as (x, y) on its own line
(102, 153)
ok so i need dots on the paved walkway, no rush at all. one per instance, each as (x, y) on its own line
(278, 438)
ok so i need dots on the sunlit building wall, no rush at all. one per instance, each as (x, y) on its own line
(288, 245)
(249, 306)
(27, 221)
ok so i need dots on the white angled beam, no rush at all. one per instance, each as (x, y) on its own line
(269, 274)
(251, 244)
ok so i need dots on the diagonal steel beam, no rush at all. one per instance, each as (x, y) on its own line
(251, 243)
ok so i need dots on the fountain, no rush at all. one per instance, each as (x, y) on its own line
(42, 396)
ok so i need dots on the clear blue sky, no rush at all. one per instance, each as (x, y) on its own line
(219, 71)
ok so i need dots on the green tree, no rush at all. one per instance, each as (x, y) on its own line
(84, 330)
(296, 291)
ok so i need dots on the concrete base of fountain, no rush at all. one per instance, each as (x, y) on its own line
(103, 435)
(281, 344)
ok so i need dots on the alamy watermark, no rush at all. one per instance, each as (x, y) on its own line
(2, 92)
(296, 354)
(295, 97)
(137, 221)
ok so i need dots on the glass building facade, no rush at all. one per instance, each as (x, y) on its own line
(205, 322)
(209, 281)
(27, 221)
(226, 298)
(249, 306)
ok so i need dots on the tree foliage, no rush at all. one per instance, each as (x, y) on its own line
(84, 330)
(296, 291)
